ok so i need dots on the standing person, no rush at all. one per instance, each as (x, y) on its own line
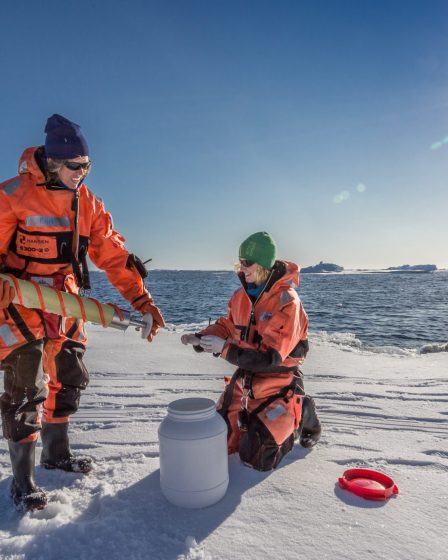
(265, 336)
(49, 222)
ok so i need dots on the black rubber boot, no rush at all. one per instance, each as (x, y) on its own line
(310, 425)
(26, 494)
(56, 452)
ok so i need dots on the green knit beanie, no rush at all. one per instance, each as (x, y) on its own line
(259, 248)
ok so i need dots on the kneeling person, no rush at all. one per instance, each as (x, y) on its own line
(265, 336)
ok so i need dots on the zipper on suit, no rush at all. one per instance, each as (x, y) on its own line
(252, 311)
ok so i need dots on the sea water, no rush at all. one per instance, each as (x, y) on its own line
(371, 310)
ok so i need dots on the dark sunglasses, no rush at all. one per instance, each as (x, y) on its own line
(246, 263)
(76, 166)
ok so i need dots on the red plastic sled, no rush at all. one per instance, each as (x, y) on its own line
(371, 485)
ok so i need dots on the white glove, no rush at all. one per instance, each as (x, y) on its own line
(190, 339)
(212, 344)
(148, 320)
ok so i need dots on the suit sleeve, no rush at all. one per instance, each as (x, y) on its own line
(287, 326)
(108, 252)
(223, 327)
(8, 224)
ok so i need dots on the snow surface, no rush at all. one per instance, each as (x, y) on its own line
(381, 411)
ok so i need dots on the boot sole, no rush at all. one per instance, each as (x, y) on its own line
(22, 506)
(52, 467)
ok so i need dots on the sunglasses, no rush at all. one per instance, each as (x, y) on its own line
(76, 166)
(246, 263)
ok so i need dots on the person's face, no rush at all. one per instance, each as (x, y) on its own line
(249, 270)
(73, 177)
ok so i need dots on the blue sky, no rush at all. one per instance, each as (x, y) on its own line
(322, 122)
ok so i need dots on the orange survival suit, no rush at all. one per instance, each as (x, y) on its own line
(46, 233)
(267, 340)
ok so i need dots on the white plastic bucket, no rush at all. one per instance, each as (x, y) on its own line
(194, 467)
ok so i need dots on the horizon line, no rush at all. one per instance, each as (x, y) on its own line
(443, 269)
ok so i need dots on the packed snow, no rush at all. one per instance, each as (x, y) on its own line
(384, 411)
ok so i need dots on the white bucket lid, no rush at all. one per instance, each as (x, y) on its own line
(193, 408)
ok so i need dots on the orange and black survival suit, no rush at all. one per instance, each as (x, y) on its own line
(46, 233)
(266, 338)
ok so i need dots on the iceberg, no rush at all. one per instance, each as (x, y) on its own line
(322, 267)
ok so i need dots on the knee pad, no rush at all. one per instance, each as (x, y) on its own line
(25, 390)
(259, 449)
(23, 367)
(66, 401)
(70, 368)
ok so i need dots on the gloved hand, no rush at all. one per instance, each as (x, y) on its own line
(190, 339)
(212, 344)
(147, 307)
(7, 293)
(146, 330)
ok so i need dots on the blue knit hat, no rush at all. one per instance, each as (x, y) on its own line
(64, 139)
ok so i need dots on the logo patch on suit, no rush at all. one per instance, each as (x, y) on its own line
(285, 298)
(42, 246)
(265, 316)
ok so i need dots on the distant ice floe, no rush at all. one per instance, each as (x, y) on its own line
(186, 327)
(348, 341)
(434, 348)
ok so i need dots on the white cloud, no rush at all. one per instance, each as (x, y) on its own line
(360, 187)
(341, 197)
(438, 145)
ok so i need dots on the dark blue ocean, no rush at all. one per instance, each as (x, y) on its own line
(405, 310)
